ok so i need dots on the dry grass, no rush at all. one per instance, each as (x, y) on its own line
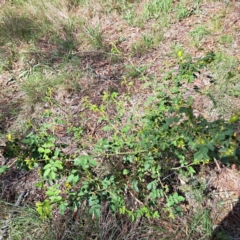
(67, 51)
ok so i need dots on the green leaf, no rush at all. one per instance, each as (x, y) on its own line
(92, 162)
(175, 195)
(58, 164)
(46, 173)
(82, 161)
(3, 169)
(107, 128)
(47, 151)
(153, 195)
(181, 198)
(62, 207)
(139, 213)
(204, 150)
(147, 165)
(156, 215)
(122, 210)
(41, 150)
(56, 153)
(201, 154)
(126, 128)
(128, 158)
(47, 166)
(210, 146)
(95, 210)
(52, 175)
(48, 145)
(55, 199)
(152, 185)
(93, 200)
(191, 170)
(135, 186)
(228, 132)
(73, 178)
(175, 198)
(178, 210)
(53, 190)
(44, 209)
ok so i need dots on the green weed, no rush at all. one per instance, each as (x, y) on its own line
(95, 37)
(37, 85)
(201, 224)
(17, 26)
(135, 71)
(33, 225)
(145, 43)
(197, 34)
(154, 9)
(146, 152)
(186, 8)
(129, 15)
(130, 151)
(226, 39)
(216, 21)
(226, 86)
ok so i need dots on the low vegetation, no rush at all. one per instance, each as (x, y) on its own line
(118, 118)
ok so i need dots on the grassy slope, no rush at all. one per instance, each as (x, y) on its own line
(57, 54)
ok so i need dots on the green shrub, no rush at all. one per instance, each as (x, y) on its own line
(135, 166)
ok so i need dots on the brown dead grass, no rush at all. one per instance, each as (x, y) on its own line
(100, 72)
